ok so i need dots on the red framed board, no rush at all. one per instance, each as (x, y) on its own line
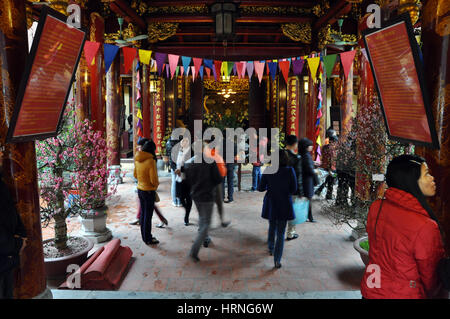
(395, 60)
(49, 73)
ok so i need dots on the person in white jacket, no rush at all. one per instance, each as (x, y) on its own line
(182, 187)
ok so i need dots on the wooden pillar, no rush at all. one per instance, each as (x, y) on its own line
(113, 113)
(196, 104)
(145, 92)
(19, 160)
(97, 72)
(436, 57)
(134, 105)
(311, 107)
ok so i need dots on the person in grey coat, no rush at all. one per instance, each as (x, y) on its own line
(202, 179)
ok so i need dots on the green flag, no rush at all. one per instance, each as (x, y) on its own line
(329, 61)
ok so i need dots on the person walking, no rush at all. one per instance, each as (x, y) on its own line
(13, 238)
(404, 235)
(202, 178)
(146, 174)
(295, 161)
(329, 164)
(212, 153)
(173, 167)
(230, 163)
(182, 187)
(345, 169)
(161, 217)
(277, 205)
(305, 146)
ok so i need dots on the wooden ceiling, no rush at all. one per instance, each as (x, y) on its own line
(258, 28)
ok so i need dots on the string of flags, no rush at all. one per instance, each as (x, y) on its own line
(198, 66)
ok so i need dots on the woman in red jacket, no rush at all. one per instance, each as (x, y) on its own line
(404, 237)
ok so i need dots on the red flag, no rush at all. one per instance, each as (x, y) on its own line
(347, 61)
(197, 64)
(217, 66)
(208, 72)
(129, 54)
(284, 67)
(90, 50)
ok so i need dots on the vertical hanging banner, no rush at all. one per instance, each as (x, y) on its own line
(293, 104)
(158, 116)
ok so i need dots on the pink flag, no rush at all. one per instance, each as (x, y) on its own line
(240, 68)
(173, 62)
(194, 73)
(259, 69)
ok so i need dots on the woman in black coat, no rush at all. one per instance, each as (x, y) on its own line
(277, 206)
(305, 146)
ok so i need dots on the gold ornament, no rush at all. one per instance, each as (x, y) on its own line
(160, 31)
(236, 84)
(411, 6)
(260, 10)
(297, 32)
(197, 9)
(324, 36)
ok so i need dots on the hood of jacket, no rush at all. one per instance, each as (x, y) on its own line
(142, 156)
(405, 200)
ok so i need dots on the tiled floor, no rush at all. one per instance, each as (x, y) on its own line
(321, 259)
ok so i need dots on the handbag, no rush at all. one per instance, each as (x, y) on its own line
(301, 207)
(156, 197)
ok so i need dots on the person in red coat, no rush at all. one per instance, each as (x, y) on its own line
(405, 243)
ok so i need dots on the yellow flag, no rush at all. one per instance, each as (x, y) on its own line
(319, 141)
(224, 68)
(139, 114)
(145, 56)
(313, 64)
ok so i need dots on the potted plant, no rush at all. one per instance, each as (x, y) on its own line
(362, 247)
(90, 182)
(371, 155)
(55, 165)
(166, 137)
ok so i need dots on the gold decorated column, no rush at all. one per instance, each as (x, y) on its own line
(436, 56)
(19, 160)
(113, 119)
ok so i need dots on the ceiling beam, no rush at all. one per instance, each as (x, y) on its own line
(242, 3)
(234, 53)
(337, 10)
(129, 14)
(248, 19)
(199, 31)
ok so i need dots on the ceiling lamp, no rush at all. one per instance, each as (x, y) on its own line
(224, 13)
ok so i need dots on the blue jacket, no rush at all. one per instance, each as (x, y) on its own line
(278, 199)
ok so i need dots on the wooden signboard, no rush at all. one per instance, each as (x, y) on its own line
(49, 73)
(394, 57)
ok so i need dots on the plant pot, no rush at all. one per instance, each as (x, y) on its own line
(93, 225)
(362, 252)
(56, 268)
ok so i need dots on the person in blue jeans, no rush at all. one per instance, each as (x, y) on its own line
(173, 167)
(277, 206)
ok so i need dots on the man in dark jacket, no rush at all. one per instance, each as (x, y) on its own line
(202, 179)
(12, 240)
(295, 161)
(230, 165)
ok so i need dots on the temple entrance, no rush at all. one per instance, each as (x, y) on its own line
(225, 103)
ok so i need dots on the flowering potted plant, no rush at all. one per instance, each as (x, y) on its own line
(371, 155)
(56, 164)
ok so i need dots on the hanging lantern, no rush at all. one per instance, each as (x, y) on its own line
(410, 6)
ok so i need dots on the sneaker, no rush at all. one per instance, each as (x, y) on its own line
(293, 237)
(277, 265)
(206, 242)
(225, 224)
(160, 225)
(135, 222)
(154, 241)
